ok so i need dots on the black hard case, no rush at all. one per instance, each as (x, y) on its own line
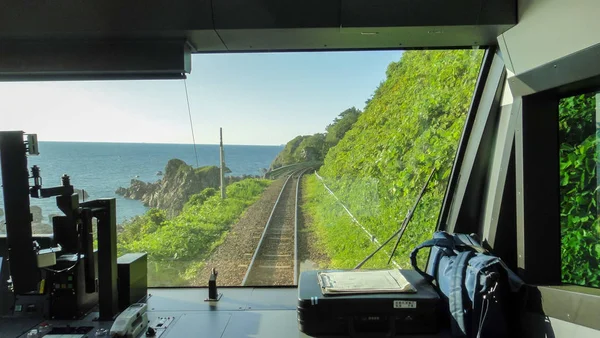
(367, 315)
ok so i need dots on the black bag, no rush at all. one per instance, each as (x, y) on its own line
(478, 287)
(368, 315)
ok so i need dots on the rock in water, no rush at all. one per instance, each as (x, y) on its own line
(179, 182)
(41, 228)
(37, 213)
(137, 190)
(83, 195)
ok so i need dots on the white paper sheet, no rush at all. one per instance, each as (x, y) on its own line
(364, 281)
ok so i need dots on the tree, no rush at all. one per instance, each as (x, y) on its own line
(286, 156)
(312, 148)
(341, 124)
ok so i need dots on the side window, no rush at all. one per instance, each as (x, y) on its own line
(579, 120)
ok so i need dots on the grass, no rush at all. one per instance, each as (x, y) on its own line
(178, 247)
(344, 241)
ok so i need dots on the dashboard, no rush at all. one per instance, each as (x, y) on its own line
(183, 312)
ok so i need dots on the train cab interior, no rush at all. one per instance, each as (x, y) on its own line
(531, 197)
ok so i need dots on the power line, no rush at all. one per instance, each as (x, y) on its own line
(187, 98)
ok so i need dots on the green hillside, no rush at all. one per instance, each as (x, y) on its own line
(313, 148)
(411, 125)
(178, 246)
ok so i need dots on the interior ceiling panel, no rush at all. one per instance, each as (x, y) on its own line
(276, 14)
(207, 26)
(418, 37)
(402, 13)
(432, 23)
(256, 19)
(357, 24)
(280, 39)
(102, 18)
(349, 38)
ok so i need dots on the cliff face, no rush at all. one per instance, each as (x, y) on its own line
(180, 181)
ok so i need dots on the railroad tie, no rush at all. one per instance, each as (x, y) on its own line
(274, 257)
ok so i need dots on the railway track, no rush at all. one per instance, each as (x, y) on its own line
(275, 260)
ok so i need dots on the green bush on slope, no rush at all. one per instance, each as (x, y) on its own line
(412, 124)
(177, 247)
(345, 243)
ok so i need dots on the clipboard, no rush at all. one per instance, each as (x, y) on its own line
(364, 282)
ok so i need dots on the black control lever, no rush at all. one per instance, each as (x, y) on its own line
(213, 294)
(38, 192)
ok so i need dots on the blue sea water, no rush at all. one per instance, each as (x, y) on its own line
(101, 168)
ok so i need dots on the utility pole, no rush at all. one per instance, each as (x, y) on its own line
(223, 196)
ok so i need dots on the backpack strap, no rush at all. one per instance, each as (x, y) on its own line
(456, 300)
(445, 241)
(439, 242)
(469, 242)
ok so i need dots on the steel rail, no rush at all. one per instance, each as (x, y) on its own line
(265, 230)
(296, 268)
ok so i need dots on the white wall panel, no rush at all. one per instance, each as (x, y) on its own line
(548, 30)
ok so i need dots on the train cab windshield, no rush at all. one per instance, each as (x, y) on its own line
(261, 166)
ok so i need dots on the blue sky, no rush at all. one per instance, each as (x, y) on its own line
(256, 98)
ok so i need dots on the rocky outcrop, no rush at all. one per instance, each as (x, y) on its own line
(83, 194)
(179, 182)
(37, 225)
(41, 228)
(137, 190)
(36, 213)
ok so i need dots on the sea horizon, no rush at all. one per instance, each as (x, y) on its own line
(166, 143)
(100, 168)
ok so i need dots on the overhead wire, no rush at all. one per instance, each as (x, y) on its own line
(187, 98)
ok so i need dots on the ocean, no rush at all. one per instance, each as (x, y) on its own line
(101, 168)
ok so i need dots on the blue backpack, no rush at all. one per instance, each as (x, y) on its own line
(479, 288)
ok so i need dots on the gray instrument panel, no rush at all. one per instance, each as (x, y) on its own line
(241, 312)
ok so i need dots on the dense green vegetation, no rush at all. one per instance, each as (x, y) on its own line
(579, 191)
(177, 246)
(411, 125)
(291, 168)
(345, 243)
(313, 148)
(340, 126)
